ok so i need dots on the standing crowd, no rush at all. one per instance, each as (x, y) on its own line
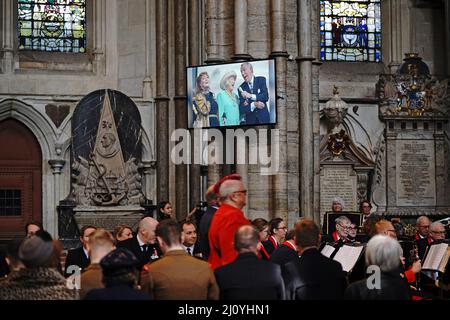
(220, 254)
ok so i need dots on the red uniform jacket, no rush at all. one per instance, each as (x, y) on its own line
(224, 225)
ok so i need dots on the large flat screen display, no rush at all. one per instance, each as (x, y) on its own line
(232, 94)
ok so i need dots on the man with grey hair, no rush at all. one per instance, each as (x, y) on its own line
(437, 231)
(247, 277)
(227, 219)
(438, 234)
(337, 206)
(422, 237)
(253, 96)
(143, 245)
(383, 255)
(340, 235)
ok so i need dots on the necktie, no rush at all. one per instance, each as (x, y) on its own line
(251, 86)
(144, 247)
(188, 251)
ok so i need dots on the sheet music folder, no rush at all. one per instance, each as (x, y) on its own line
(348, 255)
(328, 250)
(437, 257)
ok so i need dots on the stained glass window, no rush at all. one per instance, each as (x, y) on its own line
(53, 25)
(350, 30)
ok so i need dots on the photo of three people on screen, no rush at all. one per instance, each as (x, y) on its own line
(232, 105)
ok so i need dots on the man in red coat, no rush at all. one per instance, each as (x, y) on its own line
(227, 219)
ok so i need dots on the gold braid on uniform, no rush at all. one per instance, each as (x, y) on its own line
(201, 105)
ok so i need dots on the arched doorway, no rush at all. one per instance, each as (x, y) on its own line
(20, 178)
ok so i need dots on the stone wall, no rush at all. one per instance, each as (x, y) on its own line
(124, 55)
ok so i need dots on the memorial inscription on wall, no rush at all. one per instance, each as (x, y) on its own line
(415, 173)
(338, 181)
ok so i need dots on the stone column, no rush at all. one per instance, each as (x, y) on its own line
(214, 32)
(148, 171)
(99, 36)
(214, 41)
(8, 29)
(442, 163)
(195, 50)
(162, 101)
(278, 44)
(315, 31)
(391, 165)
(306, 156)
(181, 185)
(147, 82)
(240, 30)
(400, 34)
(447, 34)
(278, 29)
(241, 54)
(56, 165)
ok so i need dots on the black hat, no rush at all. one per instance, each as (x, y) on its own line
(119, 261)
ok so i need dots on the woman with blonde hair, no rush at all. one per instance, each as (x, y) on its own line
(228, 101)
(122, 232)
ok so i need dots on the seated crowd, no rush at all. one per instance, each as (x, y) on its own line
(222, 255)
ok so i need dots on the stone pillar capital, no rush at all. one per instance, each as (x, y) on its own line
(57, 165)
(148, 165)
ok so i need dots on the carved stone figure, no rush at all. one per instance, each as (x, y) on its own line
(101, 176)
(335, 110)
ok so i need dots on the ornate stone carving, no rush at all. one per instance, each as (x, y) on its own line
(379, 181)
(334, 112)
(363, 179)
(413, 91)
(92, 186)
(338, 142)
(101, 176)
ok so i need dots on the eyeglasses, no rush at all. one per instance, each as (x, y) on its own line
(241, 191)
(426, 227)
(282, 228)
(439, 232)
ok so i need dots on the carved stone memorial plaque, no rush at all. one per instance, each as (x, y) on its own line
(415, 174)
(106, 151)
(338, 181)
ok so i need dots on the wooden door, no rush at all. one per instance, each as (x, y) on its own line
(20, 179)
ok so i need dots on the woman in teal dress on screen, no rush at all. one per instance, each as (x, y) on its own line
(228, 101)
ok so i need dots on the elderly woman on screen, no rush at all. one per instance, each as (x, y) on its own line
(228, 101)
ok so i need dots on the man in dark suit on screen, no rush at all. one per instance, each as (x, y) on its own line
(313, 276)
(253, 97)
(248, 277)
